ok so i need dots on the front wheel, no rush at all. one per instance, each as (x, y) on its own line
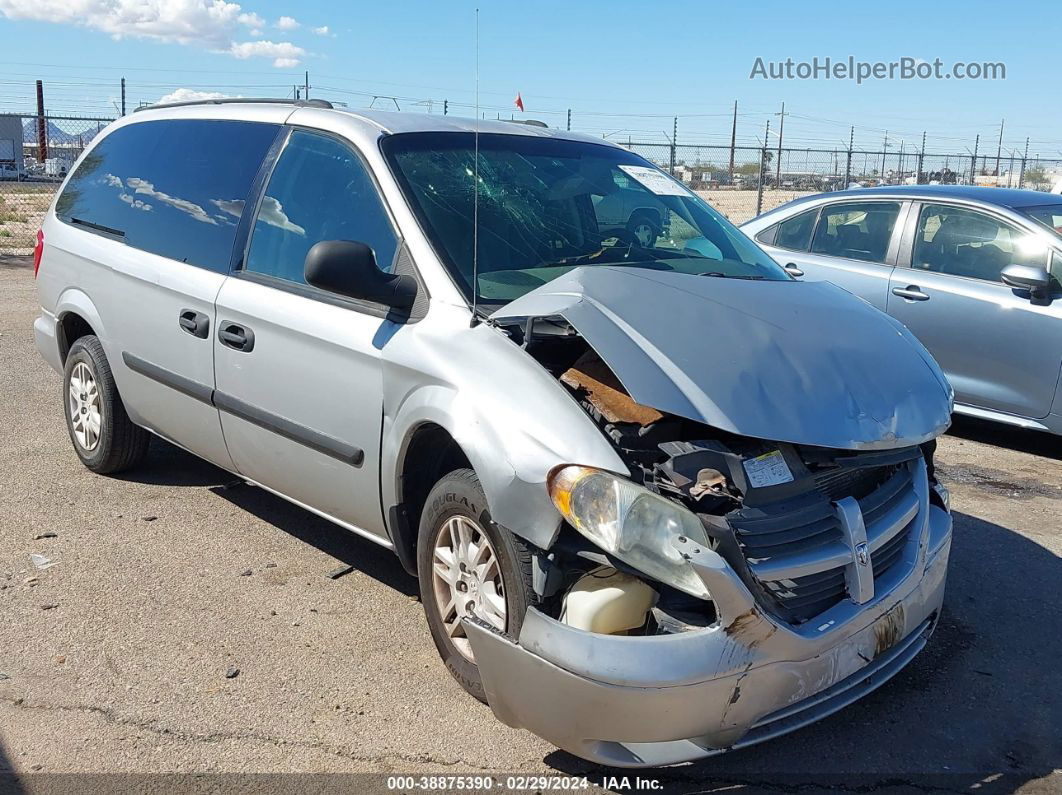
(467, 565)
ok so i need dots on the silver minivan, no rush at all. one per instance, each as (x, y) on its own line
(662, 499)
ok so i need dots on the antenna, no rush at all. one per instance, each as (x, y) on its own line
(475, 195)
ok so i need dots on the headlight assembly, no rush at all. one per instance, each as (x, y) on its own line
(631, 522)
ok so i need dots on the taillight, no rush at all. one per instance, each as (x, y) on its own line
(38, 250)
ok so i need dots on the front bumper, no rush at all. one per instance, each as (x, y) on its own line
(666, 699)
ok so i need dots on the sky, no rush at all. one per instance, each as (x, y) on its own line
(624, 68)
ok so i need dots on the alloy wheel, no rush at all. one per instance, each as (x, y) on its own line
(467, 580)
(86, 408)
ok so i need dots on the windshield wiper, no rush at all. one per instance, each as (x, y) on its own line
(97, 227)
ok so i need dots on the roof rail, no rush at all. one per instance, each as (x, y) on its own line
(302, 103)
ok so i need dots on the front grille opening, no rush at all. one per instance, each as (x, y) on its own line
(797, 530)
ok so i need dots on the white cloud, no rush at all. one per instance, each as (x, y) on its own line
(189, 95)
(142, 186)
(233, 207)
(272, 213)
(287, 23)
(251, 20)
(210, 24)
(322, 31)
(134, 202)
(284, 53)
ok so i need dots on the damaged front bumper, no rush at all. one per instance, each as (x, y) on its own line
(666, 699)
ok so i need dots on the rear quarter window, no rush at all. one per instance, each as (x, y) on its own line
(176, 188)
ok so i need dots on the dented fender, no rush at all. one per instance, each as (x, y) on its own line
(441, 378)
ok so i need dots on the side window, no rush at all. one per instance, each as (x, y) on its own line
(795, 233)
(856, 230)
(963, 242)
(174, 188)
(319, 190)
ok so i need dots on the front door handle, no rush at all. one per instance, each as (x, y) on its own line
(235, 336)
(792, 269)
(911, 292)
(195, 323)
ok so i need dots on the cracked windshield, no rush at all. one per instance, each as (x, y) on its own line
(546, 206)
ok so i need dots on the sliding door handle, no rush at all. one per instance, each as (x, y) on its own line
(195, 323)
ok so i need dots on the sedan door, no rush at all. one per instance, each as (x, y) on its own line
(850, 243)
(299, 383)
(1000, 347)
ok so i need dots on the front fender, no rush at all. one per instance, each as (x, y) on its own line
(511, 418)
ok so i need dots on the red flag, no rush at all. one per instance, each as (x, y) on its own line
(519, 102)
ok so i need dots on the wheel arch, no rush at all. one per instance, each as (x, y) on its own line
(76, 317)
(435, 421)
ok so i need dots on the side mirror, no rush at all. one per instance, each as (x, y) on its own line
(348, 268)
(1026, 277)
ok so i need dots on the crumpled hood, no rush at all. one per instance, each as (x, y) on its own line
(801, 362)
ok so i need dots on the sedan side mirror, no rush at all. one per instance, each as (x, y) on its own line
(1026, 277)
(348, 268)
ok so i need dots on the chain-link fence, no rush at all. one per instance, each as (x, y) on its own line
(35, 155)
(740, 181)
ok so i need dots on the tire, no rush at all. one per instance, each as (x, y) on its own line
(91, 402)
(644, 229)
(455, 500)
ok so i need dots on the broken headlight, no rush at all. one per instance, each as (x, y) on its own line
(636, 525)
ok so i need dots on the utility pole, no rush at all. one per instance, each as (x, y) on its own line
(921, 157)
(973, 167)
(42, 125)
(569, 119)
(884, 150)
(306, 83)
(1024, 160)
(848, 166)
(123, 96)
(446, 106)
(999, 150)
(778, 165)
(763, 167)
(733, 141)
(674, 138)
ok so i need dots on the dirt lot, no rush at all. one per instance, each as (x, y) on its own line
(115, 658)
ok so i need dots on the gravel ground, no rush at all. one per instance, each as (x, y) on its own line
(115, 659)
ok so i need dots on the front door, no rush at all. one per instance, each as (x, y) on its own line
(1000, 349)
(847, 243)
(299, 383)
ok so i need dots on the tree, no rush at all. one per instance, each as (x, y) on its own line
(1036, 177)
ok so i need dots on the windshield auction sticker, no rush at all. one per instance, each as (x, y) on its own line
(768, 469)
(656, 181)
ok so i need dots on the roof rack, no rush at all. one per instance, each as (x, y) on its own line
(302, 103)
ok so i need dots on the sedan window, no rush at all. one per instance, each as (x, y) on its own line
(968, 243)
(795, 233)
(856, 230)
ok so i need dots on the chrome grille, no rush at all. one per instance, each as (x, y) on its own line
(800, 550)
